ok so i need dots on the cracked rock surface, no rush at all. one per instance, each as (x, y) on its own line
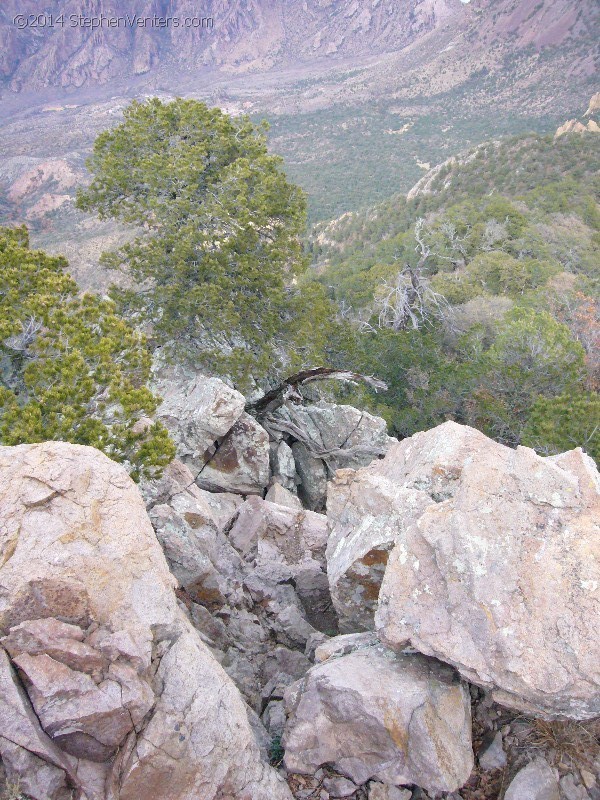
(488, 559)
(105, 686)
(372, 713)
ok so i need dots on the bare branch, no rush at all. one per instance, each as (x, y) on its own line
(288, 390)
(408, 301)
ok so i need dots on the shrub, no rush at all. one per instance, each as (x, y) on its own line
(70, 368)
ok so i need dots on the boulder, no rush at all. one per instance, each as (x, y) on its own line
(62, 642)
(491, 755)
(87, 719)
(342, 645)
(267, 532)
(197, 411)
(125, 694)
(337, 786)
(188, 534)
(383, 791)
(570, 790)
(283, 465)
(176, 477)
(536, 781)
(30, 758)
(367, 513)
(400, 719)
(278, 539)
(240, 462)
(329, 437)
(490, 560)
(349, 437)
(224, 506)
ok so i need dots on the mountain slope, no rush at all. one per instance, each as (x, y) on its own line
(239, 35)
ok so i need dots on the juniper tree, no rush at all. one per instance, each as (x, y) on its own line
(70, 368)
(218, 252)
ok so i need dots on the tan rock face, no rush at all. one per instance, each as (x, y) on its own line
(400, 719)
(499, 575)
(126, 693)
(62, 642)
(28, 754)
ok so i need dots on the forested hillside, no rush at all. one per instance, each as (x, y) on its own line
(474, 299)
(477, 298)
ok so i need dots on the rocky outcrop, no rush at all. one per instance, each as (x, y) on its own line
(252, 578)
(111, 689)
(594, 105)
(493, 563)
(575, 126)
(451, 558)
(401, 719)
(325, 437)
(225, 448)
(277, 539)
(296, 448)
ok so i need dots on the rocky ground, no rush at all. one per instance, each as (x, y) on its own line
(300, 607)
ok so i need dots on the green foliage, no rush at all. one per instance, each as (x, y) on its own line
(220, 252)
(532, 355)
(561, 423)
(276, 751)
(457, 287)
(548, 207)
(425, 387)
(70, 368)
(499, 237)
(501, 273)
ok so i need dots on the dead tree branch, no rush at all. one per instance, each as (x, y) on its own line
(288, 390)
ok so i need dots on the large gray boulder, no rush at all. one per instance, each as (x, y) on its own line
(329, 437)
(117, 694)
(197, 411)
(498, 574)
(240, 462)
(400, 719)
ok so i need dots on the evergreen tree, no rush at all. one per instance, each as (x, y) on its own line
(532, 355)
(70, 368)
(561, 423)
(219, 252)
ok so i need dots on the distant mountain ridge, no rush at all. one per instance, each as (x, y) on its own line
(244, 35)
(259, 35)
